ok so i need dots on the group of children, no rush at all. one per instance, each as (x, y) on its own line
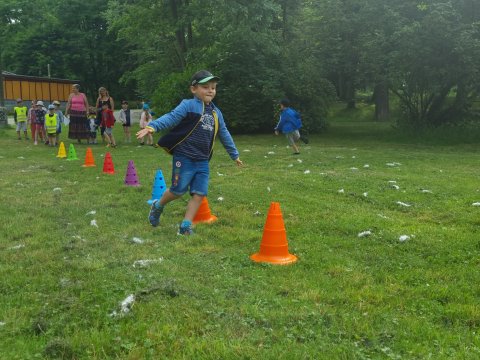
(45, 123)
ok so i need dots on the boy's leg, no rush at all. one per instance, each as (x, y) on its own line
(192, 207)
(158, 205)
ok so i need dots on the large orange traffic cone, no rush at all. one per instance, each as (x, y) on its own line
(203, 214)
(89, 158)
(108, 167)
(274, 246)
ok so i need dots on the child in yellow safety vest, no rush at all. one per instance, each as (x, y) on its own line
(51, 120)
(20, 117)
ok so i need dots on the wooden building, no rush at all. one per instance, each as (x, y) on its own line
(30, 88)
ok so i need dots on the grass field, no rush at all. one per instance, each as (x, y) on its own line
(376, 296)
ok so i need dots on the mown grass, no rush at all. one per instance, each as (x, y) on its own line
(347, 297)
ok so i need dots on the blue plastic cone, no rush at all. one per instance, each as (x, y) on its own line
(159, 187)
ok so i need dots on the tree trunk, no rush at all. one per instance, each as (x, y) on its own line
(382, 101)
(350, 94)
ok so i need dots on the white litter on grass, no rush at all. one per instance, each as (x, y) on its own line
(94, 223)
(425, 191)
(93, 212)
(268, 189)
(290, 165)
(403, 238)
(127, 303)
(306, 172)
(354, 157)
(2, 323)
(365, 194)
(20, 157)
(78, 237)
(383, 216)
(396, 187)
(300, 160)
(341, 191)
(246, 150)
(271, 153)
(219, 174)
(338, 157)
(257, 213)
(366, 166)
(393, 164)
(137, 240)
(353, 168)
(16, 247)
(57, 189)
(265, 156)
(476, 204)
(220, 198)
(145, 263)
(403, 204)
(392, 182)
(364, 233)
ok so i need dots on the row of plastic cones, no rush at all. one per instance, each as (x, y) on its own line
(131, 177)
(274, 244)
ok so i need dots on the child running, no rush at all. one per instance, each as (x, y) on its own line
(194, 125)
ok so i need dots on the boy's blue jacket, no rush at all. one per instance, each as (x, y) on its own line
(183, 119)
(289, 121)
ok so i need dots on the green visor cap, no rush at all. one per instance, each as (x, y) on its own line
(202, 77)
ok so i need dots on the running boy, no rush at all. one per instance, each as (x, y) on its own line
(289, 124)
(195, 124)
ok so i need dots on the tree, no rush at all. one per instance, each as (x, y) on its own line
(435, 68)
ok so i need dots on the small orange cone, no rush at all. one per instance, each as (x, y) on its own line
(203, 214)
(108, 167)
(89, 158)
(274, 246)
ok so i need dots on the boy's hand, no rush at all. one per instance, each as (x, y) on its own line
(239, 162)
(142, 133)
(276, 132)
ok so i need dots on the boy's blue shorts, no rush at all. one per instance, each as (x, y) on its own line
(187, 173)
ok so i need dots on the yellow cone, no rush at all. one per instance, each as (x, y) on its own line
(61, 151)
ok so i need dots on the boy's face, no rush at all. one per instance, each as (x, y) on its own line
(124, 106)
(205, 92)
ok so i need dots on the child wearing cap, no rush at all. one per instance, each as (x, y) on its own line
(51, 120)
(40, 113)
(20, 116)
(195, 124)
(126, 121)
(145, 118)
(60, 120)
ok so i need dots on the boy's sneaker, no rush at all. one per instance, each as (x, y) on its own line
(185, 230)
(154, 215)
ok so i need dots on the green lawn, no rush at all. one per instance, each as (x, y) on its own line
(347, 297)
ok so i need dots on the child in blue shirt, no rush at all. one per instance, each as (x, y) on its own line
(194, 125)
(289, 124)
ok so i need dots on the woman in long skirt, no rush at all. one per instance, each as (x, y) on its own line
(77, 110)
